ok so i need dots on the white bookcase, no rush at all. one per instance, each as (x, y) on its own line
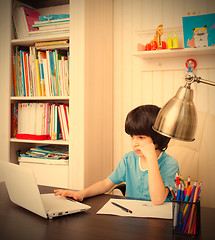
(91, 93)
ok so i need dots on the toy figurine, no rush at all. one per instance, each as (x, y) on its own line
(157, 37)
(155, 43)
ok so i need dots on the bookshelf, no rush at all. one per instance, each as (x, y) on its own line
(90, 100)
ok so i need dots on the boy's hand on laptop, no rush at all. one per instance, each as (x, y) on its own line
(79, 196)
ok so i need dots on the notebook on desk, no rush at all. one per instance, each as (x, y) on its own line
(23, 191)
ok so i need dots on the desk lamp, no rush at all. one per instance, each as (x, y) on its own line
(177, 118)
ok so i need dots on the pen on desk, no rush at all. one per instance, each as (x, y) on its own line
(123, 208)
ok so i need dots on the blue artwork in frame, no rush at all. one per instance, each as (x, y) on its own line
(199, 30)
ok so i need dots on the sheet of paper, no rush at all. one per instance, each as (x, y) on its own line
(139, 209)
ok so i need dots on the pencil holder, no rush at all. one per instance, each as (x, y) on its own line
(186, 217)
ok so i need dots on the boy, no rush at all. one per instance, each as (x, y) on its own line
(147, 170)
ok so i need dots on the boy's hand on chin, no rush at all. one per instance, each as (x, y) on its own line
(148, 149)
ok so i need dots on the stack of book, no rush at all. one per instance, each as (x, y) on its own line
(51, 24)
(58, 155)
(23, 18)
(40, 73)
(28, 22)
(40, 121)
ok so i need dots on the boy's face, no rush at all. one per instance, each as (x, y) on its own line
(138, 141)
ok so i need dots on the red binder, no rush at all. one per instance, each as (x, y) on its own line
(33, 137)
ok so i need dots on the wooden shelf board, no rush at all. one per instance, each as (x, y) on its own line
(54, 98)
(31, 40)
(175, 52)
(55, 142)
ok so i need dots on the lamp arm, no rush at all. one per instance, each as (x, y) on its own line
(200, 80)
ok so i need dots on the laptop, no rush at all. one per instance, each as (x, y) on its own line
(23, 191)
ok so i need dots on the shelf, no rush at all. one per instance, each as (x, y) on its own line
(175, 52)
(32, 40)
(43, 4)
(53, 98)
(55, 142)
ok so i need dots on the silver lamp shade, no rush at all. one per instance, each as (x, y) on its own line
(177, 118)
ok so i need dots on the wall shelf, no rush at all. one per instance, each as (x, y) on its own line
(175, 52)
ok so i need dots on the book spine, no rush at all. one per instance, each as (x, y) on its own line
(22, 72)
(39, 91)
(60, 114)
(14, 80)
(42, 44)
(41, 71)
(26, 77)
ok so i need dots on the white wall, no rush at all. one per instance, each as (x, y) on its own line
(138, 81)
(5, 34)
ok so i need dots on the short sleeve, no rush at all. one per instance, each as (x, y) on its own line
(168, 171)
(119, 175)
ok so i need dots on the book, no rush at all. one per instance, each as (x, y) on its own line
(14, 86)
(40, 121)
(52, 17)
(40, 23)
(32, 70)
(23, 19)
(40, 73)
(21, 119)
(42, 55)
(50, 31)
(57, 149)
(25, 159)
(49, 43)
(51, 25)
(64, 120)
(23, 76)
(56, 130)
(14, 119)
(51, 47)
(46, 78)
(38, 82)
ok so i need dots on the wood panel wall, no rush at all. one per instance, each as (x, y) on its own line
(138, 81)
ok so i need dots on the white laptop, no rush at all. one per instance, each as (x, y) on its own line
(23, 191)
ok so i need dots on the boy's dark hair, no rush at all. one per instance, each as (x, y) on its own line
(140, 120)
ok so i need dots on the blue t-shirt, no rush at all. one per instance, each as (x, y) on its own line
(137, 186)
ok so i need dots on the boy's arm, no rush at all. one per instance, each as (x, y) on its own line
(95, 189)
(98, 188)
(158, 192)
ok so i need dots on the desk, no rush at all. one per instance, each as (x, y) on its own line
(19, 224)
